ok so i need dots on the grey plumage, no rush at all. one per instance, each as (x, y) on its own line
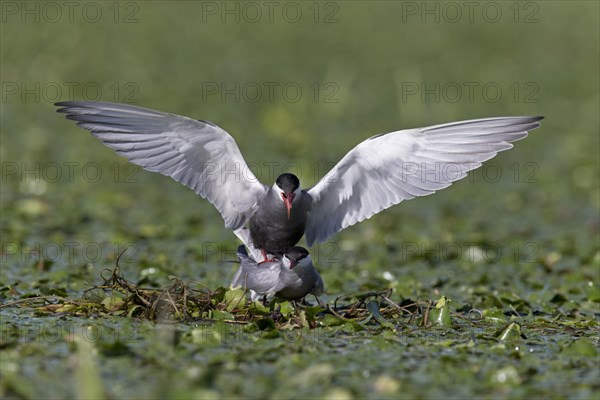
(291, 278)
(198, 154)
(387, 169)
(379, 172)
(270, 226)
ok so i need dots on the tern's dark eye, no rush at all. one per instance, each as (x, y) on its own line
(284, 195)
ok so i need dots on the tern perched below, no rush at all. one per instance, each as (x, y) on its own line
(291, 278)
(378, 173)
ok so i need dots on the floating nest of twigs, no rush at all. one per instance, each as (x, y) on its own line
(192, 301)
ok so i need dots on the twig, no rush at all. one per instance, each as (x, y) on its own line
(12, 303)
(426, 314)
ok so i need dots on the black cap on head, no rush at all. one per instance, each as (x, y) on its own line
(296, 253)
(288, 182)
(241, 251)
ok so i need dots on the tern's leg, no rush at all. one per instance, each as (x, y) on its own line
(320, 302)
(265, 257)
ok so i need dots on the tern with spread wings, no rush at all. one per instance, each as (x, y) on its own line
(378, 173)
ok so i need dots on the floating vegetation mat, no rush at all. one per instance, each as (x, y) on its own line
(194, 302)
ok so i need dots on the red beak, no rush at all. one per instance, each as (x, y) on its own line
(288, 202)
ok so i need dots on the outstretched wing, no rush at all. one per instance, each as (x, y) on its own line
(198, 154)
(386, 169)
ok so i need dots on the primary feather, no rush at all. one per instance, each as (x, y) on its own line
(387, 169)
(198, 154)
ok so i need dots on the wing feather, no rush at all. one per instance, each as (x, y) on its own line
(198, 154)
(387, 169)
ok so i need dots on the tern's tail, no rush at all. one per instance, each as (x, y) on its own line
(244, 235)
